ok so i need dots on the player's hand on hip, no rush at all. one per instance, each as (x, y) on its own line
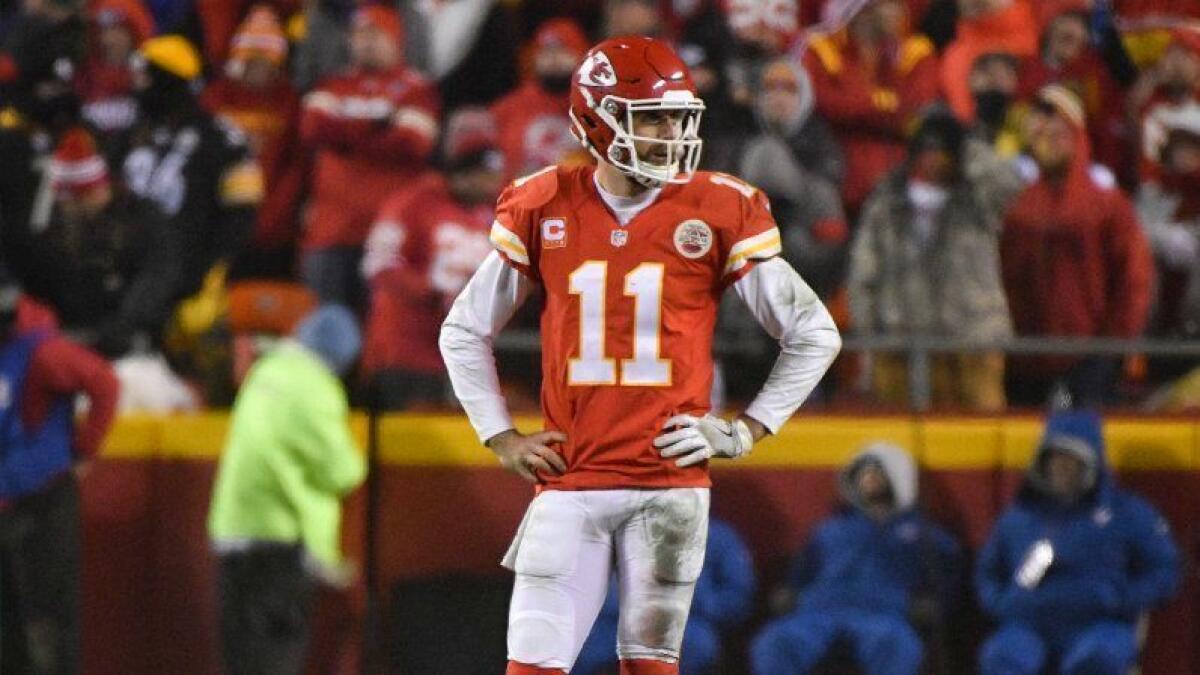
(526, 455)
(694, 439)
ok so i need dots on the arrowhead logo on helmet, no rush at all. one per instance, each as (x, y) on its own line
(597, 71)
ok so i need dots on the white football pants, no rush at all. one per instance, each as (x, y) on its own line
(563, 556)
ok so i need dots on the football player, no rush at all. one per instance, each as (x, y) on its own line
(632, 257)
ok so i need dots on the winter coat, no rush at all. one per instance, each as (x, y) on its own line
(114, 275)
(372, 133)
(871, 112)
(855, 562)
(202, 175)
(289, 457)
(535, 131)
(799, 172)
(1113, 556)
(725, 591)
(949, 286)
(1074, 258)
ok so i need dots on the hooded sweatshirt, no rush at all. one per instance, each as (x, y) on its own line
(1088, 75)
(1113, 556)
(856, 562)
(1074, 259)
(798, 164)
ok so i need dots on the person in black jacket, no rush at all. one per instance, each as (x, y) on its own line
(37, 102)
(197, 169)
(111, 260)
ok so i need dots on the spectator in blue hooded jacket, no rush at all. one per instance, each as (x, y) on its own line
(722, 603)
(1072, 563)
(859, 573)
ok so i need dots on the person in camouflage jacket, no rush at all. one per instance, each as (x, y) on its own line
(925, 262)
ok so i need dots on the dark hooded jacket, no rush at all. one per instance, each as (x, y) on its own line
(1113, 556)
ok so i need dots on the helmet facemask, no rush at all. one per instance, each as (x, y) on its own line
(682, 152)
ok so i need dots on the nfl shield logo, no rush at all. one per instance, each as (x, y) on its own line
(619, 238)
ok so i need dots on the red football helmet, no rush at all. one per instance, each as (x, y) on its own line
(625, 75)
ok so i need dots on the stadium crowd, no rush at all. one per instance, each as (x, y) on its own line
(182, 178)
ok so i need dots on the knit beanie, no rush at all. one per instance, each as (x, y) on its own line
(259, 35)
(77, 166)
(331, 332)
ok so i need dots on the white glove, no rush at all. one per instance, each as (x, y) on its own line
(696, 439)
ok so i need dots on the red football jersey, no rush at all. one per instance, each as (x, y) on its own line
(422, 251)
(371, 134)
(629, 311)
(535, 131)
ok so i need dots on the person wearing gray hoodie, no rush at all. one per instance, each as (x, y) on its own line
(860, 572)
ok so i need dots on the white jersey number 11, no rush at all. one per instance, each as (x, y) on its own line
(646, 369)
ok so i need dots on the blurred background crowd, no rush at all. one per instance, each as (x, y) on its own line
(183, 180)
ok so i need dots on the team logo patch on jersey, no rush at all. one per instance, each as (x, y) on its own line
(693, 238)
(597, 71)
(554, 232)
(619, 238)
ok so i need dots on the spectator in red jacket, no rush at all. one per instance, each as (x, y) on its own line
(104, 82)
(871, 81)
(1067, 57)
(1175, 80)
(1073, 257)
(984, 26)
(372, 130)
(532, 119)
(425, 245)
(44, 452)
(255, 94)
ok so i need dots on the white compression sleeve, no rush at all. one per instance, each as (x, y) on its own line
(479, 313)
(808, 339)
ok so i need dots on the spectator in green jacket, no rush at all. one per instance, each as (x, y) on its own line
(275, 517)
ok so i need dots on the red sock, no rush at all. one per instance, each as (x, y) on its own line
(515, 668)
(648, 667)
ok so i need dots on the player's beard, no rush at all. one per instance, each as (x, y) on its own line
(659, 157)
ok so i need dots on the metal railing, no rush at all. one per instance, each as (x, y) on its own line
(921, 348)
